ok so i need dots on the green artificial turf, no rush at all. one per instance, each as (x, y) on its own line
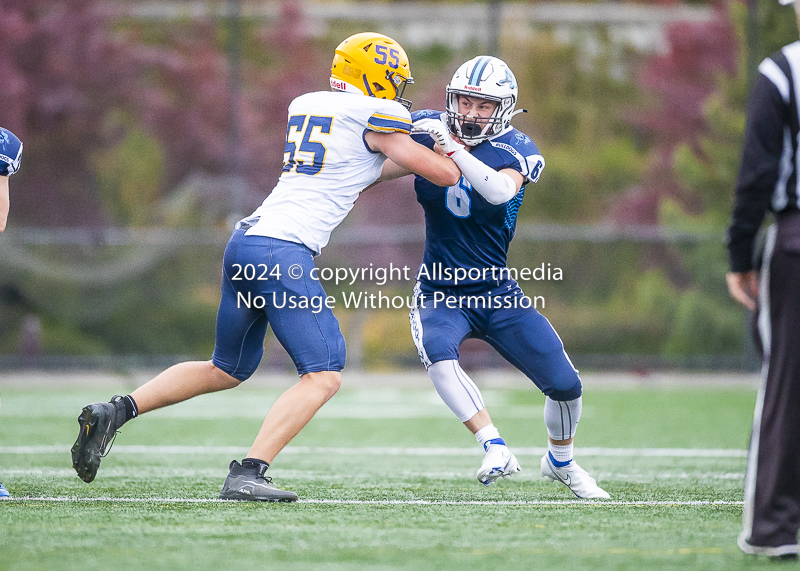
(151, 506)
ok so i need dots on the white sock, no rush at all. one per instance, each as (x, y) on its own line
(562, 454)
(487, 433)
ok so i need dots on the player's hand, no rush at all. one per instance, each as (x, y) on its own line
(440, 134)
(743, 287)
(10, 152)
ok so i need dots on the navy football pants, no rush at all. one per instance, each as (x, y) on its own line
(522, 335)
(253, 297)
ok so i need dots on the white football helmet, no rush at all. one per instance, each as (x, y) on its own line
(488, 78)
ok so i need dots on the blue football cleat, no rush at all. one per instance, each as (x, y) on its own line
(4, 495)
(498, 462)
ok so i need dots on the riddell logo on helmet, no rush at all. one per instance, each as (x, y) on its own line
(473, 87)
(337, 84)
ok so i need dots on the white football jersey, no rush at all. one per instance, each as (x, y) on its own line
(326, 164)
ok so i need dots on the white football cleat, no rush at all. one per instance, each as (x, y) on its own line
(574, 477)
(498, 462)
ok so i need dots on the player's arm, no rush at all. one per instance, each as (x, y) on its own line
(409, 156)
(392, 170)
(495, 186)
(4, 202)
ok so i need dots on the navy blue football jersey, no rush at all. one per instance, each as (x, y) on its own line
(462, 229)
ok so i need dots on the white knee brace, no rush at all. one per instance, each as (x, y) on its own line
(456, 389)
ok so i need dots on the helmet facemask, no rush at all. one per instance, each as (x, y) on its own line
(400, 83)
(474, 130)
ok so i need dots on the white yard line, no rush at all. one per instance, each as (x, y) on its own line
(392, 451)
(159, 473)
(665, 503)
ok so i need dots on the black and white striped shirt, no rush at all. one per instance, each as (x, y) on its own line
(768, 175)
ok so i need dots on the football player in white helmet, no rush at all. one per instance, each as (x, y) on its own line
(10, 159)
(484, 81)
(336, 144)
(469, 227)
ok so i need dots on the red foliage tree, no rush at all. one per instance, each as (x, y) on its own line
(68, 65)
(679, 82)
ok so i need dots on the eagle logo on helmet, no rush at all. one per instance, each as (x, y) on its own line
(508, 79)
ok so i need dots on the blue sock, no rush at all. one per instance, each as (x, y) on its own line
(493, 441)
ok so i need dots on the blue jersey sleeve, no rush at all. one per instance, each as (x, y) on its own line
(515, 150)
(425, 114)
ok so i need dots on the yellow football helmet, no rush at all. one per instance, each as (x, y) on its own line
(372, 64)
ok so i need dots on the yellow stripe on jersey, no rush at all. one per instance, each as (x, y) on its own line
(392, 117)
(388, 123)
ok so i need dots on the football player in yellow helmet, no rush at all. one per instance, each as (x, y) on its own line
(336, 144)
(372, 64)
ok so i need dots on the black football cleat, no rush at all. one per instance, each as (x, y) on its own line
(250, 485)
(99, 423)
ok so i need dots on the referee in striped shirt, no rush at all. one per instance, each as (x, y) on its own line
(768, 180)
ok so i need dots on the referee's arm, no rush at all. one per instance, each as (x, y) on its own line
(758, 175)
(4, 202)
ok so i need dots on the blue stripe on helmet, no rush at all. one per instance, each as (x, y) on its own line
(366, 84)
(477, 71)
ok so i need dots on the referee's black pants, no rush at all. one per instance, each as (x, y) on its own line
(772, 483)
